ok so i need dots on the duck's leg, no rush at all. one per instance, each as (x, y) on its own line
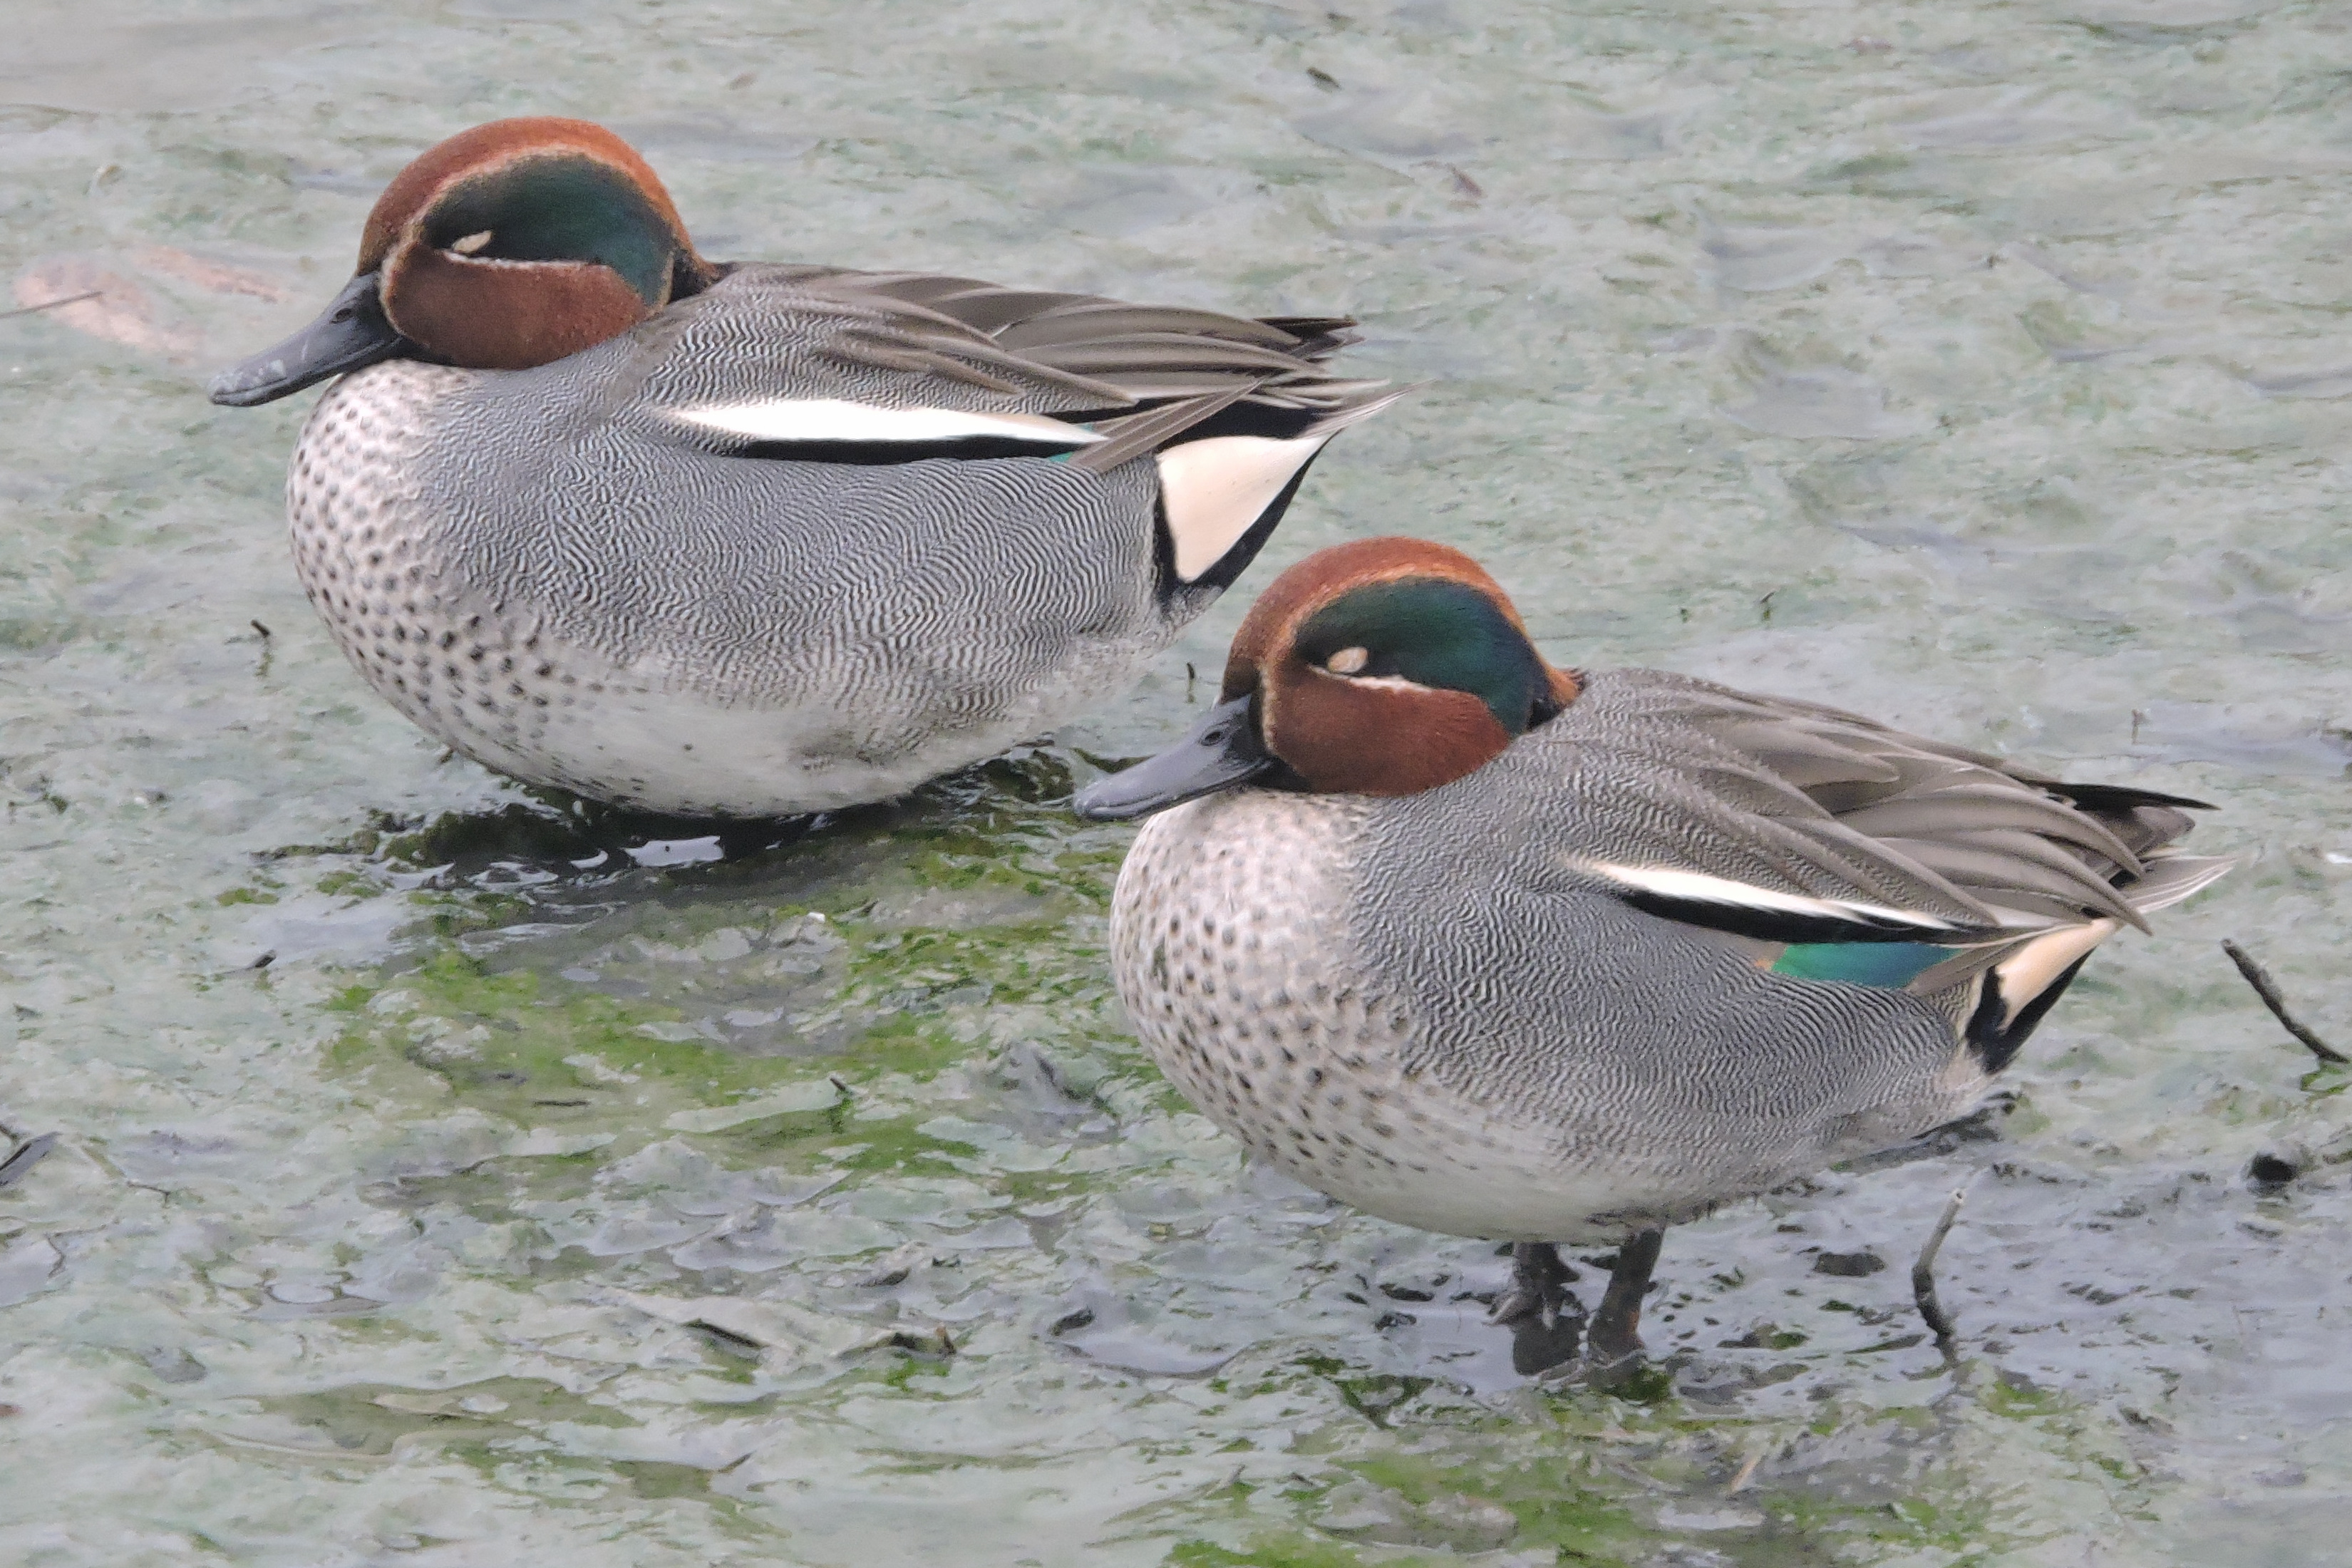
(1538, 1287)
(1547, 1319)
(1616, 1333)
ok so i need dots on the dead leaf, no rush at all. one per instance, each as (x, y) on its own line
(216, 276)
(122, 311)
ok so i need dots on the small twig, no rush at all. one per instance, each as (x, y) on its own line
(23, 1157)
(729, 1339)
(50, 304)
(1923, 1278)
(2264, 987)
(1746, 1474)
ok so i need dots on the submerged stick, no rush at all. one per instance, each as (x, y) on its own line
(1923, 1277)
(50, 304)
(23, 1157)
(2267, 989)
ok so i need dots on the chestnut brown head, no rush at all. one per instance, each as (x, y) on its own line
(511, 244)
(1384, 667)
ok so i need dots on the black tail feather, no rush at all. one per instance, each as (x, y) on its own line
(2094, 797)
(1319, 337)
(1996, 1043)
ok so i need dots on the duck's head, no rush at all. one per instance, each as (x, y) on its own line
(509, 246)
(1385, 667)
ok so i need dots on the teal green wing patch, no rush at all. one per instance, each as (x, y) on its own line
(1890, 965)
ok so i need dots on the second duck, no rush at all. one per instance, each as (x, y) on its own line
(1540, 956)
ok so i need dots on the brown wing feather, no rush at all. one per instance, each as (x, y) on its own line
(1147, 352)
(1806, 799)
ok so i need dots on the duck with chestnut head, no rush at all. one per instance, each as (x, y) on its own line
(756, 540)
(1537, 955)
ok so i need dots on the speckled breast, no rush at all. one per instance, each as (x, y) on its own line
(1232, 947)
(468, 670)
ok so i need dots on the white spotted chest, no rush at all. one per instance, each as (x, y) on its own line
(1230, 947)
(460, 668)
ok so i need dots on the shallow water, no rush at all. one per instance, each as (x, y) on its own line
(572, 1189)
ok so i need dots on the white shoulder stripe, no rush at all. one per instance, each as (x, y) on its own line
(1697, 887)
(821, 420)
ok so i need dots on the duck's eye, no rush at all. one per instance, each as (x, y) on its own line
(471, 243)
(1348, 661)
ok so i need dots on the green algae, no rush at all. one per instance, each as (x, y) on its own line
(372, 1420)
(1586, 1486)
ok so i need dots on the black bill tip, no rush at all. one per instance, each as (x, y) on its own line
(351, 333)
(1223, 750)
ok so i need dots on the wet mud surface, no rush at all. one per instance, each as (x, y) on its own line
(448, 1175)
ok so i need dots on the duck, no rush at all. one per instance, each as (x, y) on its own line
(755, 541)
(1548, 956)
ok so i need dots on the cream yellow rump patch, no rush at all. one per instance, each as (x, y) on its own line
(1215, 490)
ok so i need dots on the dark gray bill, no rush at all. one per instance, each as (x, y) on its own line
(351, 334)
(1224, 749)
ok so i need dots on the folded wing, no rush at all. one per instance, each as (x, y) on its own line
(816, 365)
(1846, 850)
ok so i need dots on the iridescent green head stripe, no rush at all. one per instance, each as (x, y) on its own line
(559, 205)
(526, 173)
(1437, 633)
